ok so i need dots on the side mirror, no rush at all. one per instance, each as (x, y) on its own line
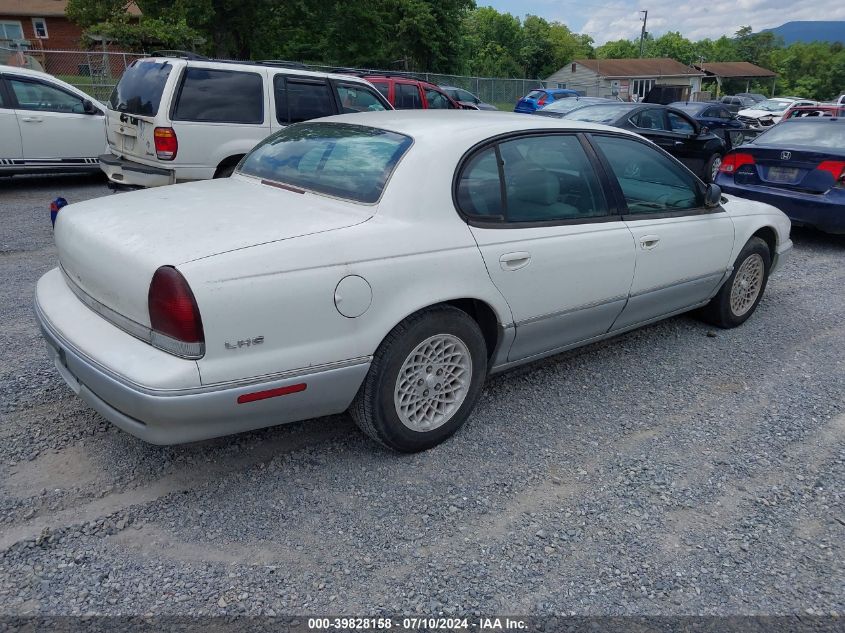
(712, 196)
(88, 107)
(703, 130)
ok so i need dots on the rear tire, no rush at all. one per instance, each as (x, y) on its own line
(739, 296)
(712, 168)
(424, 381)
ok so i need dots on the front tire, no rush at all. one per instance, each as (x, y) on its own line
(424, 381)
(739, 296)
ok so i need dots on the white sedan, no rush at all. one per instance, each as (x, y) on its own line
(47, 125)
(386, 263)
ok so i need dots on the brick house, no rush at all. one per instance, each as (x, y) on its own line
(42, 23)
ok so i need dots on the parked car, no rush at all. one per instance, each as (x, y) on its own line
(769, 112)
(47, 125)
(735, 103)
(562, 106)
(797, 166)
(710, 114)
(405, 93)
(467, 99)
(822, 109)
(756, 96)
(673, 130)
(540, 98)
(173, 120)
(386, 263)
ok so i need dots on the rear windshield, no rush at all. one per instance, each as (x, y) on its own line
(821, 134)
(139, 90)
(348, 161)
(599, 113)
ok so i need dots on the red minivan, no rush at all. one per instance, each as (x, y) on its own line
(405, 93)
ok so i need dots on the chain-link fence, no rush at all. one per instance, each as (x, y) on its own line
(94, 72)
(97, 72)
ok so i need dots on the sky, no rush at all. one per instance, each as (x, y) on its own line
(616, 19)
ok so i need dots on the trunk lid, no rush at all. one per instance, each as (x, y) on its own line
(794, 169)
(135, 104)
(110, 247)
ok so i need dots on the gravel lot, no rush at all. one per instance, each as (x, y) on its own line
(674, 470)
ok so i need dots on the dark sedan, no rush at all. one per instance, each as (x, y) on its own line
(712, 115)
(797, 166)
(673, 130)
(467, 99)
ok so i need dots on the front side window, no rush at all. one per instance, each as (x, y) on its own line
(300, 100)
(220, 96)
(437, 100)
(679, 123)
(407, 97)
(650, 182)
(651, 119)
(39, 27)
(35, 95)
(11, 31)
(353, 162)
(546, 179)
(357, 98)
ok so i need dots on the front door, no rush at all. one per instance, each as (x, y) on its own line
(11, 149)
(682, 248)
(54, 128)
(554, 245)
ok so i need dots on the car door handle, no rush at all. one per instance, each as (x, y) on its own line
(32, 119)
(648, 242)
(514, 261)
(678, 143)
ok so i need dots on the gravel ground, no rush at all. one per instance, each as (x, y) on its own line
(674, 470)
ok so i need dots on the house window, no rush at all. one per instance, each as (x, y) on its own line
(39, 26)
(11, 31)
(561, 86)
(640, 87)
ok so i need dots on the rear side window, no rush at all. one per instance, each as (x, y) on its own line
(547, 179)
(407, 97)
(140, 88)
(220, 96)
(300, 100)
(347, 161)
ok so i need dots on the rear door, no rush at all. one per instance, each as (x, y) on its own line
(54, 128)
(11, 149)
(218, 113)
(354, 96)
(436, 100)
(407, 96)
(553, 243)
(135, 104)
(682, 248)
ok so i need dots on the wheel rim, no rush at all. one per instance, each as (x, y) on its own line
(433, 382)
(714, 171)
(747, 284)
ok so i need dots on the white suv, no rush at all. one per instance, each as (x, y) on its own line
(171, 120)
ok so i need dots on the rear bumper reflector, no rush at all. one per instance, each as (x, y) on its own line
(271, 393)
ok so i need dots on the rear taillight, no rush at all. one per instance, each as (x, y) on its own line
(174, 316)
(734, 160)
(166, 143)
(836, 168)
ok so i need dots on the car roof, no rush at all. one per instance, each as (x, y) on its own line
(251, 66)
(38, 74)
(399, 78)
(468, 126)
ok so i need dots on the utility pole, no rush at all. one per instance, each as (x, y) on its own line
(643, 32)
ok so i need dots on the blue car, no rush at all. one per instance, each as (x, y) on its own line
(541, 97)
(797, 166)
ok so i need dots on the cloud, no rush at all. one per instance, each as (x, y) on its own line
(694, 19)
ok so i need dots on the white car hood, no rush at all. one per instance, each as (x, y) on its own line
(756, 114)
(110, 247)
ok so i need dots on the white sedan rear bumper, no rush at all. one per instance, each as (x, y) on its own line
(162, 415)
